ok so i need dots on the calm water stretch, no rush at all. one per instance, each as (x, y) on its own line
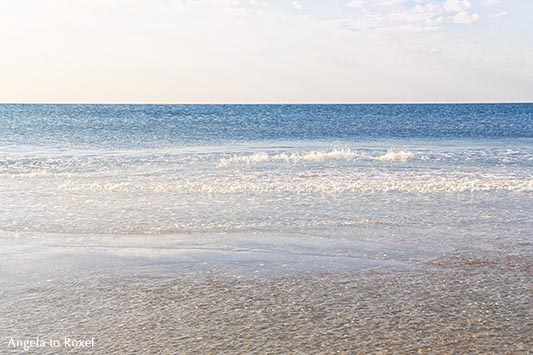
(297, 186)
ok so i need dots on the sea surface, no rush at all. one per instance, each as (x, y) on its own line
(265, 187)
(266, 229)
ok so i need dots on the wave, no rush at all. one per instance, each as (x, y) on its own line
(247, 159)
(335, 154)
(297, 184)
(396, 156)
(257, 158)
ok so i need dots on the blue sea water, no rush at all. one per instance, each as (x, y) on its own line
(270, 183)
(148, 126)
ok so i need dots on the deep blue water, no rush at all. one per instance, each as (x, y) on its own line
(141, 126)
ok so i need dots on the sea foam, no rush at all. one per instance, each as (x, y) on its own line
(247, 159)
(313, 184)
(258, 158)
(396, 156)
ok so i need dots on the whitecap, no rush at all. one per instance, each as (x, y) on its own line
(396, 156)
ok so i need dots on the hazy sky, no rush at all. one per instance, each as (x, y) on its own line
(192, 51)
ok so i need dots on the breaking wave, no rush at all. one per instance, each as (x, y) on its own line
(257, 158)
(335, 154)
(247, 159)
(396, 156)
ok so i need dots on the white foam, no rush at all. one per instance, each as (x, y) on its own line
(336, 154)
(319, 184)
(396, 156)
(247, 159)
(257, 158)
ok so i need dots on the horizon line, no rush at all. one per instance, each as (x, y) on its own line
(279, 103)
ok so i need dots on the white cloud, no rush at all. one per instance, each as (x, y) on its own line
(366, 22)
(492, 2)
(296, 4)
(465, 17)
(258, 3)
(421, 15)
(457, 5)
(424, 15)
(499, 14)
(389, 2)
(356, 3)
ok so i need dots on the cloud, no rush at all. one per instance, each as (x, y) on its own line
(356, 3)
(492, 2)
(422, 16)
(296, 4)
(457, 5)
(465, 17)
(499, 14)
(366, 22)
(258, 3)
(389, 2)
(425, 15)
(382, 3)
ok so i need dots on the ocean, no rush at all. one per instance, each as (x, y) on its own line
(266, 229)
(269, 187)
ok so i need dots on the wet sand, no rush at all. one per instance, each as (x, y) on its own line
(460, 303)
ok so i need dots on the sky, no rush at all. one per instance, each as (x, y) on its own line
(259, 51)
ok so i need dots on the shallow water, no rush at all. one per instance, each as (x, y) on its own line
(456, 304)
